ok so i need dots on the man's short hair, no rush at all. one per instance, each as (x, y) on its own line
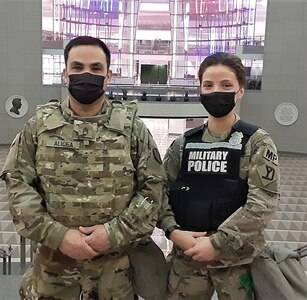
(87, 41)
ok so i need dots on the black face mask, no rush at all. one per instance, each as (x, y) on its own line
(86, 88)
(218, 104)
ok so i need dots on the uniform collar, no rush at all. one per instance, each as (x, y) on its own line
(102, 117)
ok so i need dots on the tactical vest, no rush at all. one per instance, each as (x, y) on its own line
(85, 171)
(208, 188)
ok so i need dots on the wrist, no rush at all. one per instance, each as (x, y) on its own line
(170, 230)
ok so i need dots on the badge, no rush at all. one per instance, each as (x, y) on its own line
(86, 130)
(236, 138)
(270, 155)
(267, 173)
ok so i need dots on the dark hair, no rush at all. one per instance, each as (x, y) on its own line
(87, 41)
(227, 59)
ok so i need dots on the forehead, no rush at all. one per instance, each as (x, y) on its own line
(87, 54)
(219, 72)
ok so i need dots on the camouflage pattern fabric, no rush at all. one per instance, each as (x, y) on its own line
(64, 171)
(239, 238)
(193, 281)
(55, 276)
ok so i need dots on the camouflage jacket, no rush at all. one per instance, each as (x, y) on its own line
(240, 237)
(63, 171)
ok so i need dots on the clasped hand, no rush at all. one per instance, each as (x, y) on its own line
(195, 244)
(85, 243)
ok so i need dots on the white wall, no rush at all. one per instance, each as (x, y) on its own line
(284, 74)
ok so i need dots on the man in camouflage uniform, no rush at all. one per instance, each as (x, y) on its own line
(84, 181)
(249, 182)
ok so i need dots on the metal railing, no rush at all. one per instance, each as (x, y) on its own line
(6, 255)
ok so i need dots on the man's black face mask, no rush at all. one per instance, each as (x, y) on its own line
(86, 88)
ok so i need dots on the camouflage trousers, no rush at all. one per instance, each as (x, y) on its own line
(54, 276)
(193, 281)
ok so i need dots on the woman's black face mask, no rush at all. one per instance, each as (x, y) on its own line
(218, 104)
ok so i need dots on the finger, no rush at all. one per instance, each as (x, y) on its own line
(89, 251)
(192, 251)
(197, 257)
(89, 239)
(198, 234)
(87, 230)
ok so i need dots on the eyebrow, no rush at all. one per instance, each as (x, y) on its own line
(96, 64)
(210, 81)
(76, 63)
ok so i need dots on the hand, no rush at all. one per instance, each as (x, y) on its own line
(97, 237)
(203, 250)
(74, 246)
(185, 239)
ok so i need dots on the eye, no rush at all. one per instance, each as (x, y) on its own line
(76, 68)
(207, 85)
(227, 85)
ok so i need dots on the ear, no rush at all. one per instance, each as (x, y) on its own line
(240, 94)
(109, 76)
(65, 76)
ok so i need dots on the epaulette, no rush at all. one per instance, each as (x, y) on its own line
(194, 130)
(246, 128)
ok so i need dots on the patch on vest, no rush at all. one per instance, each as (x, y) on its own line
(63, 144)
(267, 173)
(208, 162)
(236, 138)
(270, 155)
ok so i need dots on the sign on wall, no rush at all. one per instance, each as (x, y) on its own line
(286, 113)
(16, 106)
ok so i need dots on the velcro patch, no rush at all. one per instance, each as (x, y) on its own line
(270, 155)
(157, 156)
(267, 173)
(63, 144)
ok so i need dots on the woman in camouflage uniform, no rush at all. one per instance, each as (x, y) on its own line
(224, 180)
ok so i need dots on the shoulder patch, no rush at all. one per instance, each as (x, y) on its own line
(156, 155)
(267, 173)
(270, 155)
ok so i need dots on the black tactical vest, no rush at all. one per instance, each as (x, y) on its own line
(208, 189)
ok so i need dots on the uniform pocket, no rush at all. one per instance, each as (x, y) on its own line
(178, 199)
(115, 280)
(226, 203)
(178, 271)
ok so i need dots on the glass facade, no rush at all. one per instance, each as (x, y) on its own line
(176, 33)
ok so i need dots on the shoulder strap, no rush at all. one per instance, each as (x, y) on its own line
(122, 116)
(49, 116)
(245, 128)
(195, 130)
(122, 119)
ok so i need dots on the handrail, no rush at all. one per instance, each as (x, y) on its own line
(6, 256)
(302, 251)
